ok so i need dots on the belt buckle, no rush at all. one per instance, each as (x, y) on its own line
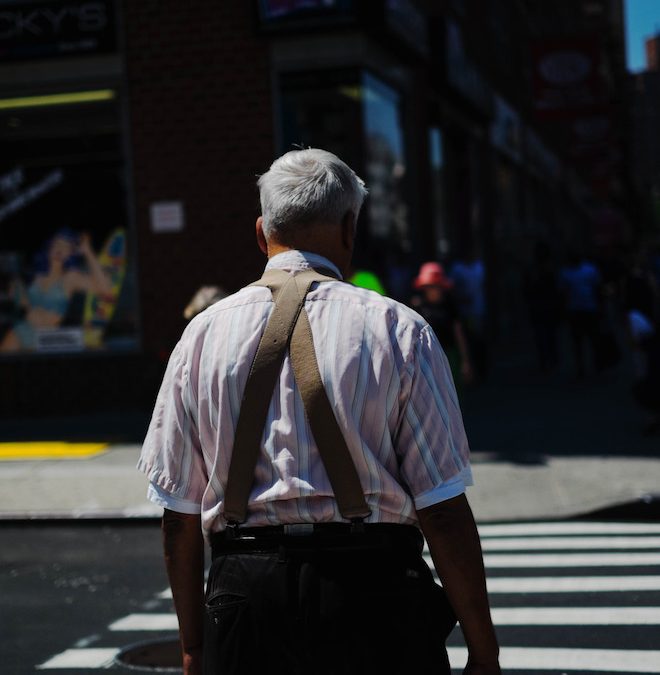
(231, 530)
(299, 529)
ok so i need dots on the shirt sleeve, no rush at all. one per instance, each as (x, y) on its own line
(432, 446)
(171, 454)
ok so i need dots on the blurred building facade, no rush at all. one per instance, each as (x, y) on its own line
(479, 128)
(645, 103)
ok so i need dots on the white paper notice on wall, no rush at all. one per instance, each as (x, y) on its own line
(167, 217)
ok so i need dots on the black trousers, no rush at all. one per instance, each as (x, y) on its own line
(355, 603)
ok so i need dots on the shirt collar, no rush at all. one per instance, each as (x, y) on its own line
(301, 260)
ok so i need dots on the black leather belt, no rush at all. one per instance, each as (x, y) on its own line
(315, 534)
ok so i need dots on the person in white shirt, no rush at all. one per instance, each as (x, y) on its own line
(295, 586)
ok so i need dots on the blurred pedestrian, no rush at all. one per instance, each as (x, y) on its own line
(309, 430)
(435, 302)
(642, 310)
(640, 287)
(399, 273)
(580, 283)
(204, 297)
(544, 305)
(646, 388)
(367, 279)
(469, 277)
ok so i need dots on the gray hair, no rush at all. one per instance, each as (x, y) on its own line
(304, 187)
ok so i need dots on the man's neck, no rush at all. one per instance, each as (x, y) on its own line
(275, 248)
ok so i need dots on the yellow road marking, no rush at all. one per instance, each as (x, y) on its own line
(49, 450)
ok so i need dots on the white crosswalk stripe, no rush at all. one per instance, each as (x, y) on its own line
(543, 561)
(561, 660)
(570, 543)
(529, 560)
(576, 616)
(573, 584)
(538, 560)
(528, 551)
(566, 528)
(146, 622)
(80, 658)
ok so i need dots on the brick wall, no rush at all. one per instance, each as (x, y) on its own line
(201, 130)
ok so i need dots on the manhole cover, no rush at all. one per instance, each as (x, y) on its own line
(160, 656)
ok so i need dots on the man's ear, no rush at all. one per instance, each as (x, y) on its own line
(261, 237)
(348, 228)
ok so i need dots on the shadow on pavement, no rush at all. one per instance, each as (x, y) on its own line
(521, 416)
(646, 508)
(109, 427)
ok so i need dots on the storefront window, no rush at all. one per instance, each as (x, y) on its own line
(385, 167)
(66, 279)
(358, 117)
(438, 206)
(323, 110)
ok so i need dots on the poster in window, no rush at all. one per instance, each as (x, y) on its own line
(65, 279)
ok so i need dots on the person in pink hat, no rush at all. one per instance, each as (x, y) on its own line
(436, 304)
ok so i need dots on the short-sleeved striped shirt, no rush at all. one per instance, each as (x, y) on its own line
(387, 379)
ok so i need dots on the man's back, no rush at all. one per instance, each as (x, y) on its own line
(379, 362)
(288, 590)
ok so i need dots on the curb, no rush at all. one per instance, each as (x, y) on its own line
(644, 508)
(134, 516)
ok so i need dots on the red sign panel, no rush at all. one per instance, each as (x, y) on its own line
(566, 77)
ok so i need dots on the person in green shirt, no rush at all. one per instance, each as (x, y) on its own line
(367, 279)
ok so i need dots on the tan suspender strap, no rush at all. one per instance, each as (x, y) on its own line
(329, 439)
(289, 293)
(258, 394)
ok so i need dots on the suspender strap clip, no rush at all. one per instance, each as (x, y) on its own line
(232, 530)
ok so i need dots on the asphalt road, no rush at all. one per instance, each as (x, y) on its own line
(62, 585)
(567, 597)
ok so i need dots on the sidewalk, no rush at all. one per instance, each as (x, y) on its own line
(555, 446)
(543, 448)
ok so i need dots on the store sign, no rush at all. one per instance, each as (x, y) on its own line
(566, 78)
(39, 29)
(564, 67)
